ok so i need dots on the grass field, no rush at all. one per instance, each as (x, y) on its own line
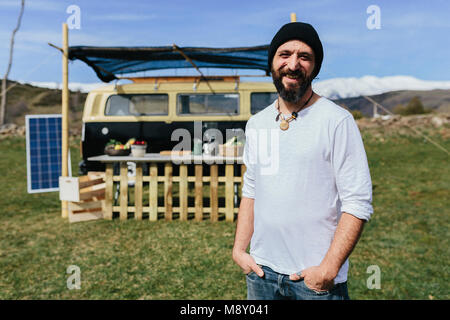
(407, 238)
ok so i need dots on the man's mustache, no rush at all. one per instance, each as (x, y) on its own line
(295, 74)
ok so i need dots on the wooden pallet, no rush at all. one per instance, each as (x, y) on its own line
(90, 200)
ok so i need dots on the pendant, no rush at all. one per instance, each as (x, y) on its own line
(284, 125)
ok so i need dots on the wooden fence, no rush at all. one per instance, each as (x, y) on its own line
(158, 188)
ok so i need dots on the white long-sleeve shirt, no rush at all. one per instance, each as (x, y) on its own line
(302, 179)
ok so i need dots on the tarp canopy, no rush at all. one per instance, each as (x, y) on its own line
(109, 62)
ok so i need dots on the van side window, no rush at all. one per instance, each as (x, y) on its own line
(137, 105)
(208, 104)
(260, 100)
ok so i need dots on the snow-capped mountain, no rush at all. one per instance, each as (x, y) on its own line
(339, 88)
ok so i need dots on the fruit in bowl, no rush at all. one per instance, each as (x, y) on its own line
(117, 148)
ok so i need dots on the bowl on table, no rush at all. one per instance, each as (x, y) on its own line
(110, 151)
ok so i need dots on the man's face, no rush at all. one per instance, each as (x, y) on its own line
(292, 67)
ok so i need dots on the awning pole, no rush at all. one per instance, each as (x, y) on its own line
(65, 113)
(293, 17)
(176, 48)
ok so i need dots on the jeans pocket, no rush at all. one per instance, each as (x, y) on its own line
(251, 273)
(315, 292)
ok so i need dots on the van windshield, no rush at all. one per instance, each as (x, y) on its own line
(208, 104)
(137, 105)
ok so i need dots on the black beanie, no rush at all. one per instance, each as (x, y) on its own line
(298, 31)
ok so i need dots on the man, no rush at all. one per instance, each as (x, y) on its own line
(303, 219)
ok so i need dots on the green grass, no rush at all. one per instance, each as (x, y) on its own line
(407, 238)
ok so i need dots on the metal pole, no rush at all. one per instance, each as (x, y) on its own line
(65, 113)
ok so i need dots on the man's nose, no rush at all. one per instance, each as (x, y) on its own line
(293, 63)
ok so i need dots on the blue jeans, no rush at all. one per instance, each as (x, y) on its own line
(277, 286)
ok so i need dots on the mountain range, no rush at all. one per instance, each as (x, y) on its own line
(340, 88)
(336, 88)
(347, 92)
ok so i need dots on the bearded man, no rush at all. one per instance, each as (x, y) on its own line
(303, 220)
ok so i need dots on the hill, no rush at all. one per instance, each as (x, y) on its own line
(25, 99)
(437, 100)
(339, 88)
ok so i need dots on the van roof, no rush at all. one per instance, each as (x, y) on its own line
(183, 86)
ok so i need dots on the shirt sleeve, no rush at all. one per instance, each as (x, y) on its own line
(248, 189)
(351, 170)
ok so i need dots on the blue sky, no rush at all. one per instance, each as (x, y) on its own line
(413, 39)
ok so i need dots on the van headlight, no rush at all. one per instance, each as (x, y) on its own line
(105, 131)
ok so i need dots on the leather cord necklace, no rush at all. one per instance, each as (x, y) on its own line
(284, 124)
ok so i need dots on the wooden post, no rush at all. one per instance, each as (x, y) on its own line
(65, 113)
(109, 191)
(138, 192)
(153, 189)
(293, 17)
(123, 191)
(198, 192)
(168, 186)
(213, 194)
(183, 192)
(229, 192)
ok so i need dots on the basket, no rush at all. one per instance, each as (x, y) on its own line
(138, 150)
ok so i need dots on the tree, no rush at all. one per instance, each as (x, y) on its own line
(8, 69)
(415, 106)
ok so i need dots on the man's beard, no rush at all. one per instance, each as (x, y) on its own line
(293, 94)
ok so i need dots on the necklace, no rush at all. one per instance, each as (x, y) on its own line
(284, 124)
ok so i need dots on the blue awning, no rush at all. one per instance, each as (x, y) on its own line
(109, 62)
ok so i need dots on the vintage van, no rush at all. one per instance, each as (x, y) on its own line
(153, 108)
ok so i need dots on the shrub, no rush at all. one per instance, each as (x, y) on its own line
(16, 110)
(414, 106)
(357, 114)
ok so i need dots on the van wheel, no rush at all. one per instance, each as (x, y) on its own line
(82, 168)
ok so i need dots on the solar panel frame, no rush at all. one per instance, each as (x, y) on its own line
(43, 145)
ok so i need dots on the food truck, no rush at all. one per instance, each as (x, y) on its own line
(151, 109)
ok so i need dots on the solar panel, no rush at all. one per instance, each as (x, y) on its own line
(43, 139)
